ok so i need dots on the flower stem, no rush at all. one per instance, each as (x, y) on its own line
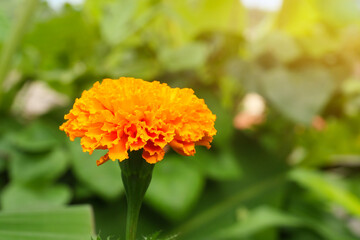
(136, 175)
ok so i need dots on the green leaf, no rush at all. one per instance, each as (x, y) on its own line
(218, 214)
(316, 219)
(202, 16)
(38, 168)
(328, 188)
(39, 136)
(60, 41)
(304, 19)
(2, 164)
(297, 16)
(95, 8)
(155, 236)
(104, 180)
(221, 165)
(338, 13)
(114, 23)
(108, 238)
(71, 223)
(299, 95)
(327, 230)
(224, 119)
(259, 219)
(190, 56)
(4, 26)
(20, 197)
(129, 63)
(175, 187)
(323, 148)
(270, 45)
(124, 18)
(7, 126)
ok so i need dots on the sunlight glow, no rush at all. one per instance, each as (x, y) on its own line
(57, 4)
(267, 5)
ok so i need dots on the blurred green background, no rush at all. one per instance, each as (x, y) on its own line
(284, 84)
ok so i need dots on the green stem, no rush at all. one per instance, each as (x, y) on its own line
(14, 38)
(136, 175)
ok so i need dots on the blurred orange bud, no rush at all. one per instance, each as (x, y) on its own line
(253, 108)
(318, 123)
(357, 69)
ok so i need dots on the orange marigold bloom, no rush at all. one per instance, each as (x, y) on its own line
(132, 114)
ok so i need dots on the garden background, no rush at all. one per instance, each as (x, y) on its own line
(284, 84)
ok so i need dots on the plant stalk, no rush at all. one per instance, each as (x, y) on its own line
(13, 40)
(136, 174)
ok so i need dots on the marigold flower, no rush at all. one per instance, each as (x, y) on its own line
(132, 114)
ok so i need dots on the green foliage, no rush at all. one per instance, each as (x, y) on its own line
(154, 236)
(258, 220)
(99, 238)
(105, 180)
(329, 188)
(291, 175)
(16, 196)
(284, 86)
(190, 56)
(71, 223)
(175, 196)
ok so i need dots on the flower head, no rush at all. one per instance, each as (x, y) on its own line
(132, 114)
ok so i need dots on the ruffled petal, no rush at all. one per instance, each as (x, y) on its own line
(183, 148)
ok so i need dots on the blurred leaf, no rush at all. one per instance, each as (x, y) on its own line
(153, 236)
(190, 56)
(63, 77)
(221, 165)
(61, 40)
(258, 220)
(16, 197)
(229, 16)
(108, 238)
(4, 26)
(224, 118)
(302, 18)
(218, 163)
(174, 188)
(220, 215)
(38, 168)
(119, 22)
(8, 12)
(95, 8)
(328, 231)
(115, 21)
(328, 188)
(323, 148)
(7, 127)
(299, 95)
(82, 191)
(104, 180)
(39, 136)
(288, 52)
(72, 223)
(2, 164)
(318, 222)
(318, 42)
(131, 63)
(339, 13)
(297, 16)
